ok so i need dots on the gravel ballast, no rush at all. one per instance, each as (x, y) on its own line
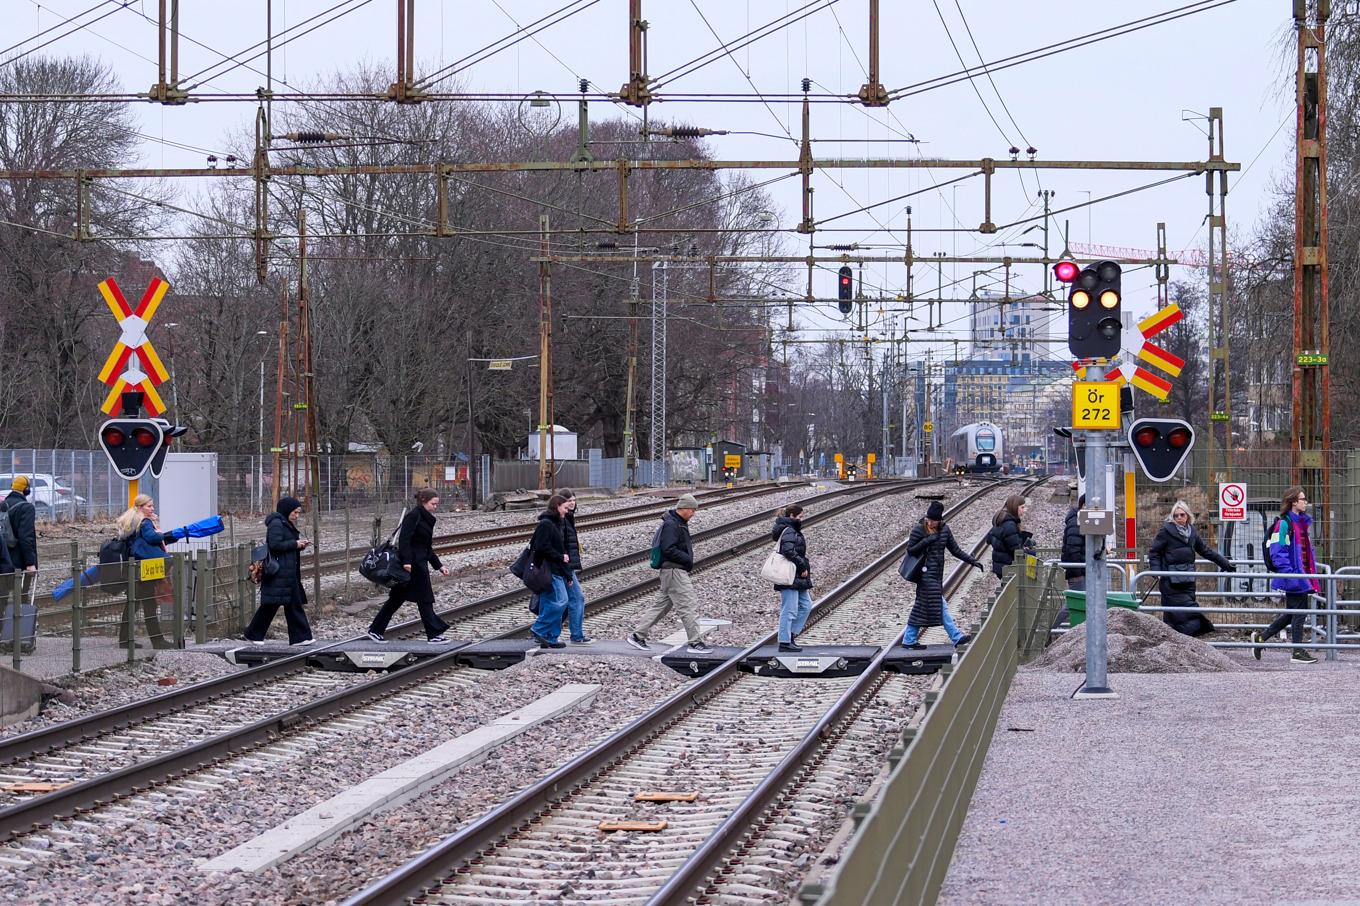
(1178, 792)
(1138, 643)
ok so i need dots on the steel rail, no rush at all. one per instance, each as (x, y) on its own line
(68, 733)
(28, 814)
(78, 730)
(430, 867)
(496, 536)
(683, 884)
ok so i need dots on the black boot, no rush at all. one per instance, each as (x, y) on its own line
(789, 647)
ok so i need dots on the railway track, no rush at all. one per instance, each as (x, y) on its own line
(113, 754)
(726, 734)
(478, 539)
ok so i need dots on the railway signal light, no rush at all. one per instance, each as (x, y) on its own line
(168, 432)
(1093, 305)
(1066, 271)
(845, 289)
(131, 444)
(1160, 445)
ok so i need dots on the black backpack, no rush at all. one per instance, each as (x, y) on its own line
(113, 553)
(1265, 542)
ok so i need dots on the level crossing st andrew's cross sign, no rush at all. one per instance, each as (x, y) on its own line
(133, 364)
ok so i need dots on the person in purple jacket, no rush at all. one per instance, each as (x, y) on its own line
(1291, 551)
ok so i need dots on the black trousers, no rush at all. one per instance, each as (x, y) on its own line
(299, 630)
(1293, 620)
(434, 625)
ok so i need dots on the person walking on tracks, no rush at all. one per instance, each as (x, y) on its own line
(795, 601)
(1290, 550)
(141, 534)
(673, 555)
(576, 598)
(284, 588)
(929, 540)
(415, 547)
(1006, 538)
(1174, 550)
(549, 547)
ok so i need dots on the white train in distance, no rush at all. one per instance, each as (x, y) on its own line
(978, 447)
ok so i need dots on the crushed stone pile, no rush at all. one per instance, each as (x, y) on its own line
(1138, 643)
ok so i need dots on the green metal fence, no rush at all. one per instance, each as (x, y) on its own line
(119, 613)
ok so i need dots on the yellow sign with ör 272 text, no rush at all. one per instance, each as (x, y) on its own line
(151, 570)
(1095, 405)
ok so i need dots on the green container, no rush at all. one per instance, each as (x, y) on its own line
(1076, 603)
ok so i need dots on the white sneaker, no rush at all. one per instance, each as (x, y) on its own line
(305, 642)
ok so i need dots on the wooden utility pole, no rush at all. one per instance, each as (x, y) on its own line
(1311, 438)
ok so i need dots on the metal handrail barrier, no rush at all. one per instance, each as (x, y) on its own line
(1114, 566)
(1327, 578)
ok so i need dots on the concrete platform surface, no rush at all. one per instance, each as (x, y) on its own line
(1202, 788)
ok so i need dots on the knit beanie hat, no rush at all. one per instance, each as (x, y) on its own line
(935, 511)
(287, 505)
(20, 484)
(687, 502)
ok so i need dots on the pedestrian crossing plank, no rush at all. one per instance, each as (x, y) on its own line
(645, 826)
(35, 787)
(664, 796)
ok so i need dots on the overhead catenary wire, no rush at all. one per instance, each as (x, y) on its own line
(17, 57)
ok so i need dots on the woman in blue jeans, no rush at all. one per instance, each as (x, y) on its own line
(549, 547)
(930, 539)
(795, 601)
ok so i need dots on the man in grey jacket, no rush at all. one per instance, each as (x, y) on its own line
(677, 559)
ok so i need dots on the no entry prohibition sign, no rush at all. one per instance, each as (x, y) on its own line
(1232, 501)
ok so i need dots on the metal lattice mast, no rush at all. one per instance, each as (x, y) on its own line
(659, 292)
(1312, 434)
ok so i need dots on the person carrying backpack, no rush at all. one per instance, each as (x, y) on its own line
(21, 517)
(137, 527)
(674, 556)
(1290, 550)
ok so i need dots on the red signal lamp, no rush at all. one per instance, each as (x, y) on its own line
(113, 437)
(1066, 271)
(1178, 438)
(1146, 437)
(145, 437)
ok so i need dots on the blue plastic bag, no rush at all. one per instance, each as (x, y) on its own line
(203, 528)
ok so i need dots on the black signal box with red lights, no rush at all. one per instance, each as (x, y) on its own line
(1160, 445)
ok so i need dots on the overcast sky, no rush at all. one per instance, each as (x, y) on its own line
(1140, 96)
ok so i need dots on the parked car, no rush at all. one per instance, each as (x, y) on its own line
(51, 499)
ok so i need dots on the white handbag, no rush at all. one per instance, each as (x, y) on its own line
(778, 569)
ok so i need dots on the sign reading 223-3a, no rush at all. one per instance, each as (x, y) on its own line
(1095, 405)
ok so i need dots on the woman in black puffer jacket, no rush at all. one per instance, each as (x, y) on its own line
(929, 540)
(795, 601)
(284, 588)
(1174, 549)
(1006, 538)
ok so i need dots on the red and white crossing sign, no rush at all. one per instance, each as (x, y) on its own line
(1232, 501)
(133, 364)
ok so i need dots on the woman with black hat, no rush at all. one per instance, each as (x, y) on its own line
(284, 588)
(415, 547)
(929, 540)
